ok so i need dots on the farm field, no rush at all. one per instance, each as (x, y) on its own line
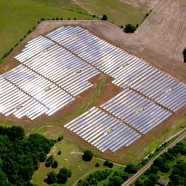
(26, 13)
(118, 12)
(17, 17)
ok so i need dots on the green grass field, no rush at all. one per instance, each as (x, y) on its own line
(17, 17)
(117, 12)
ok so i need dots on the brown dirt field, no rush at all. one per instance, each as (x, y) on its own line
(159, 41)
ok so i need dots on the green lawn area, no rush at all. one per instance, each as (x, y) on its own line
(17, 17)
(70, 159)
(117, 11)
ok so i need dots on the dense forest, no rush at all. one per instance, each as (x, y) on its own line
(20, 155)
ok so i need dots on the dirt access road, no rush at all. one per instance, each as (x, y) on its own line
(142, 170)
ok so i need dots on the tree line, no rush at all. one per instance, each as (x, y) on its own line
(20, 155)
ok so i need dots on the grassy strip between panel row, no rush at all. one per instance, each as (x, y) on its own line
(80, 110)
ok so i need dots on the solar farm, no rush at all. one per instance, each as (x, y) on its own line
(55, 68)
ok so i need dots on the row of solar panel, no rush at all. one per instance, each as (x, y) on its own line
(63, 68)
(136, 110)
(33, 85)
(102, 130)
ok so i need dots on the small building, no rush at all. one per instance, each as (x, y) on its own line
(162, 183)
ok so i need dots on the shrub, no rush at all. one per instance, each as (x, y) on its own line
(110, 165)
(131, 168)
(97, 165)
(87, 156)
(51, 177)
(104, 18)
(106, 163)
(59, 138)
(55, 164)
(184, 55)
(129, 28)
(59, 152)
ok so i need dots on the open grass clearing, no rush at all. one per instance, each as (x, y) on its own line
(70, 158)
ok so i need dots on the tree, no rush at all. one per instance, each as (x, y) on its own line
(151, 180)
(16, 132)
(158, 161)
(131, 168)
(87, 156)
(59, 152)
(106, 163)
(184, 55)
(51, 177)
(139, 183)
(104, 18)
(129, 28)
(55, 164)
(97, 165)
(63, 175)
(177, 180)
(110, 165)
(116, 181)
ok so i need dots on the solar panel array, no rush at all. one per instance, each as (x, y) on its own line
(136, 110)
(57, 67)
(103, 131)
(126, 69)
(48, 79)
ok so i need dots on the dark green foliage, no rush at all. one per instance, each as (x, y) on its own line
(104, 18)
(51, 177)
(87, 156)
(164, 164)
(131, 168)
(20, 155)
(97, 165)
(184, 55)
(59, 152)
(94, 178)
(122, 174)
(154, 169)
(151, 181)
(63, 175)
(106, 163)
(54, 164)
(139, 183)
(178, 175)
(129, 28)
(110, 165)
(116, 180)
(59, 138)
